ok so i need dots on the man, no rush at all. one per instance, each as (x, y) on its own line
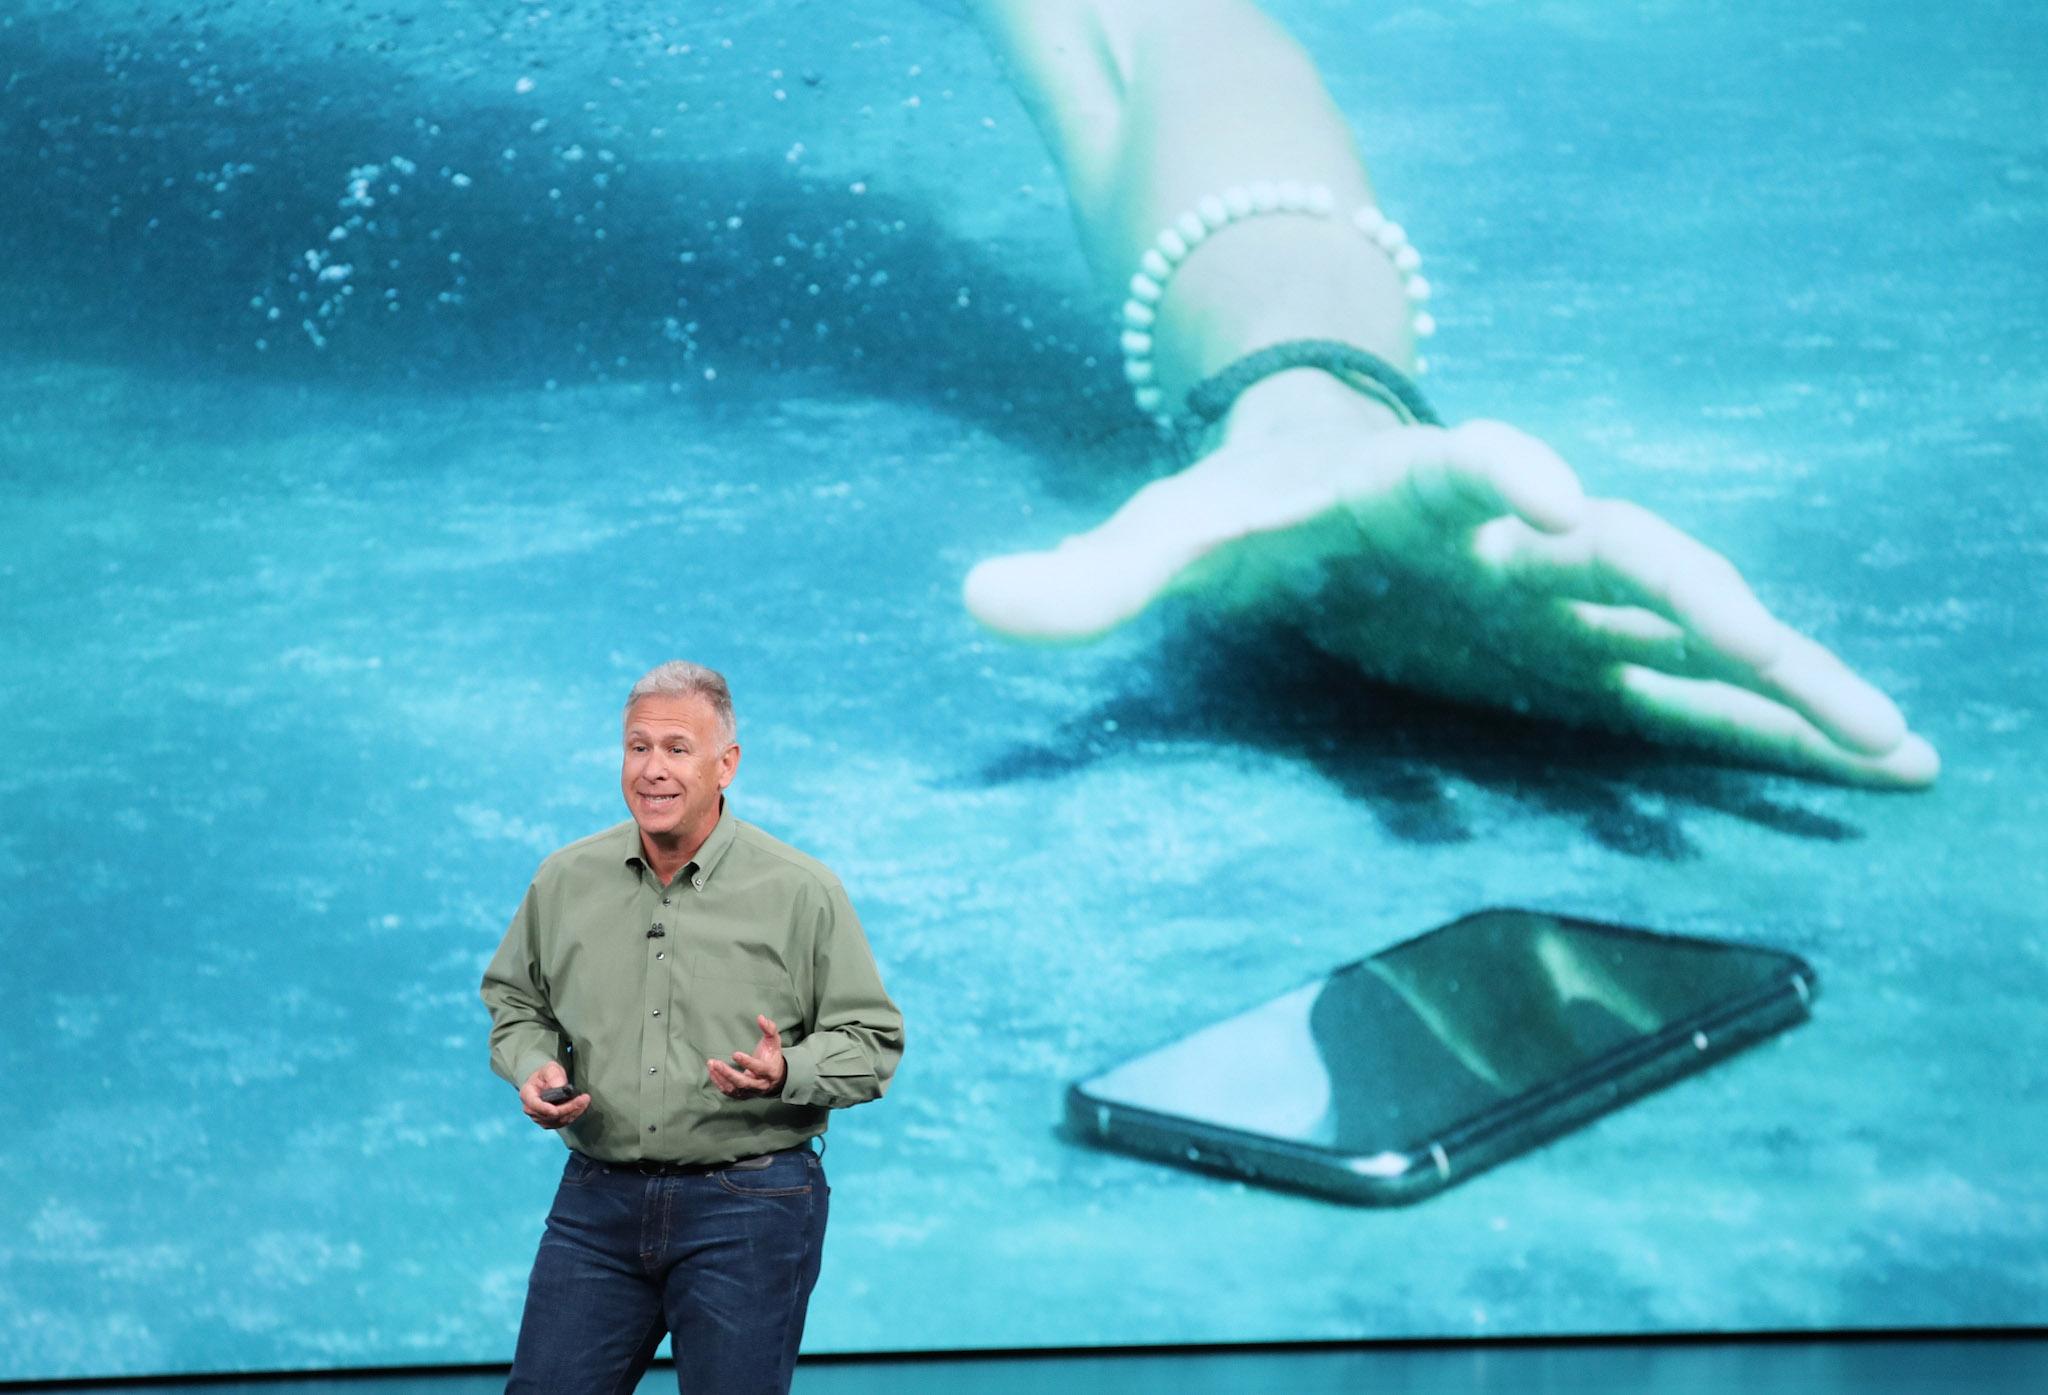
(683, 998)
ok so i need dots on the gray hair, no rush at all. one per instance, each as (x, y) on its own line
(681, 678)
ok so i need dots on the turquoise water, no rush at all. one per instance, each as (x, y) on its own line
(741, 334)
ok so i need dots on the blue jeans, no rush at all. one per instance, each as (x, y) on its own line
(723, 1260)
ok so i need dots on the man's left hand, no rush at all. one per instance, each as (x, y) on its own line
(753, 1074)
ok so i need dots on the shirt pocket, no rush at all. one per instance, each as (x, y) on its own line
(726, 992)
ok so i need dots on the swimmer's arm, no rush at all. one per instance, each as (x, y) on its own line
(1478, 570)
(1149, 105)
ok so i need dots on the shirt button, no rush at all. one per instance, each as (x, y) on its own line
(659, 955)
(650, 1070)
(657, 1012)
(650, 1128)
(664, 900)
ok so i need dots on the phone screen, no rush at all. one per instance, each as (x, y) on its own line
(1396, 1052)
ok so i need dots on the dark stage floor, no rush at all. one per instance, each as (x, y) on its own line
(2014, 1364)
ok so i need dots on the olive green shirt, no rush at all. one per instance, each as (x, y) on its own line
(633, 986)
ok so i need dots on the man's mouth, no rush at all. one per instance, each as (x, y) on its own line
(659, 801)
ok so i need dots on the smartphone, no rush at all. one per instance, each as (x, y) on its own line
(1395, 1076)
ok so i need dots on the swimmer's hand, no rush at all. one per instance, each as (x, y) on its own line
(1466, 563)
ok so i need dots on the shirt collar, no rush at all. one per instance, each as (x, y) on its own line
(708, 857)
(700, 867)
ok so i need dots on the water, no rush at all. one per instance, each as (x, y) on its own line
(766, 328)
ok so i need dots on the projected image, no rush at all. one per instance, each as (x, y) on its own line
(1187, 498)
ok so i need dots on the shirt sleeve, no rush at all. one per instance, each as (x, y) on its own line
(524, 1033)
(856, 1031)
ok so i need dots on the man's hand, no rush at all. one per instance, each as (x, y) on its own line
(1468, 563)
(550, 1116)
(758, 1073)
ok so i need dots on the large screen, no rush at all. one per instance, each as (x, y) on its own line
(387, 387)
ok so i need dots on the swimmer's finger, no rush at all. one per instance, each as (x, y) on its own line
(1476, 471)
(1094, 581)
(1746, 724)
(1625, 555)
(1630, 634)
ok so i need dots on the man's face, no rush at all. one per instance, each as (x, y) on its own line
(675, 767)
